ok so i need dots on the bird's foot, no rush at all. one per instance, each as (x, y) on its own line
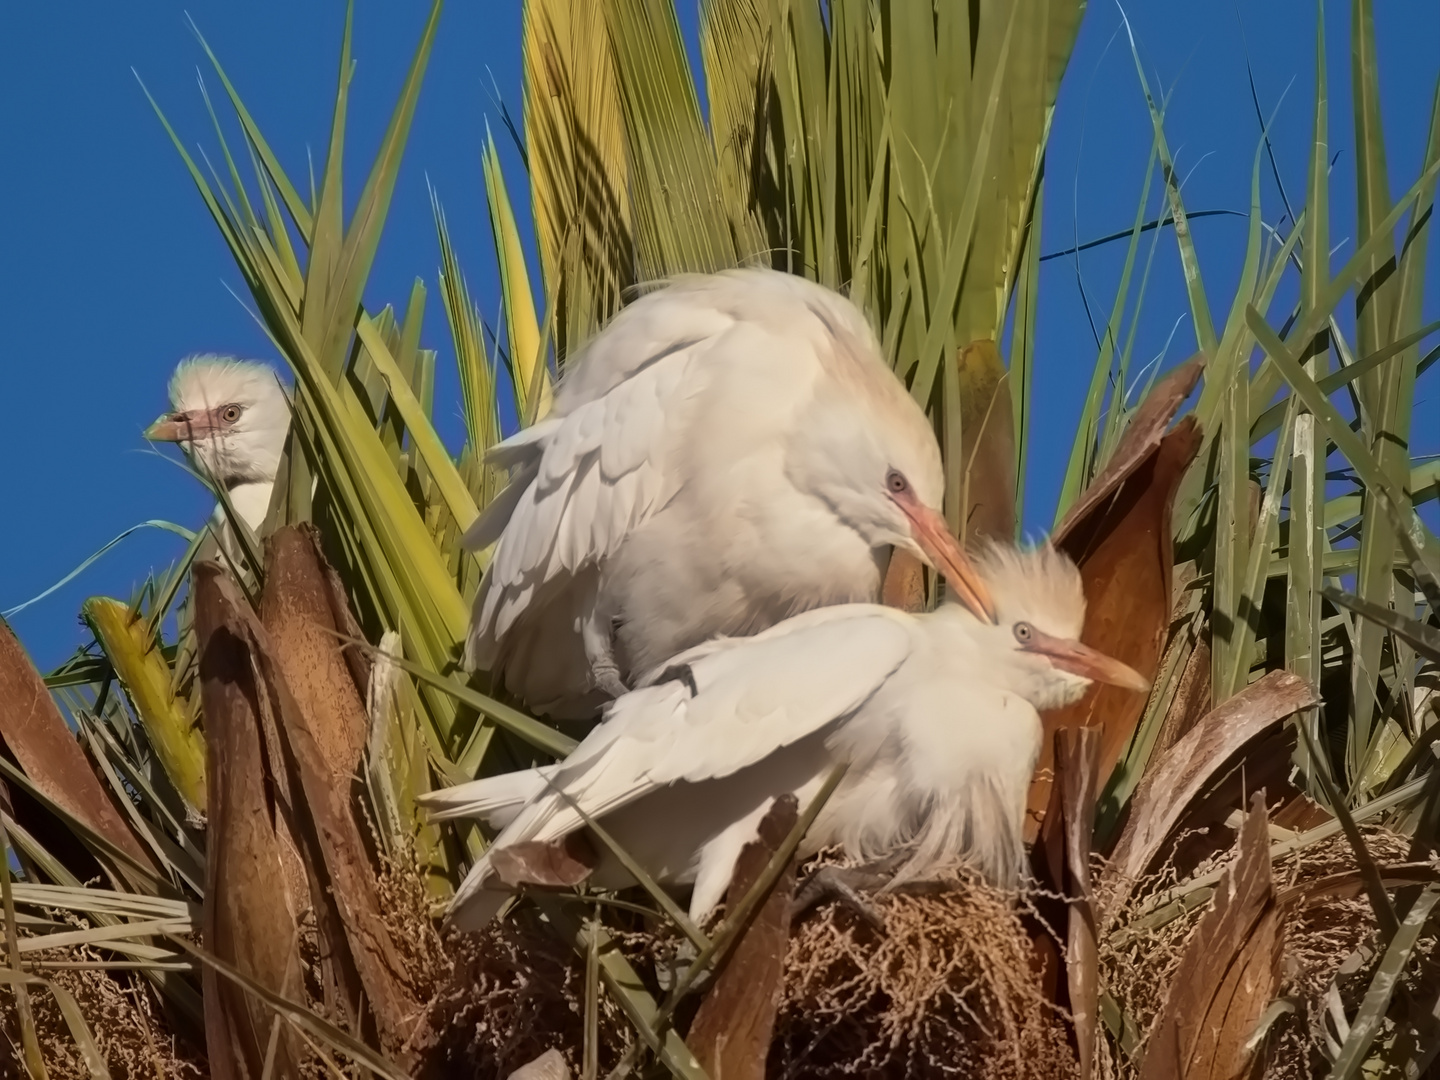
(833, 883)
(610, 682)
(926, 886)
(845, 885)
(598, 635)
(606, 674)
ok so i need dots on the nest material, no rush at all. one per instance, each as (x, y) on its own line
(1332, 940)
(404, 903)
(427, 960)
(513, 992)
(1320, 937)
(950, 989)
(130, 1030)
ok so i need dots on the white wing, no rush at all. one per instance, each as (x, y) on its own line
(836, 613)
(596, 468)
(729, 708)
(488, 796)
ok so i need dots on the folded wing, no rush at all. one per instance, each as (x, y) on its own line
(588, 475)
(723, 709)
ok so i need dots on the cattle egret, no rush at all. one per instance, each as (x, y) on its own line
(935, 716)
(231, 417)
(730, 451)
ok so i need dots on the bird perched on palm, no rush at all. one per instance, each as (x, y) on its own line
(935, 715)
(730, 451)
(231, 418)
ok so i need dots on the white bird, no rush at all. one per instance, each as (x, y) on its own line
(731, 450)
(935, 716)
(231, 417)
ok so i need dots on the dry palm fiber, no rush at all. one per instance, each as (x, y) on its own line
(1329, 940)
(948, 990)
(133, 1033)
(1333, 942)
(512, 991)
(129, 1028)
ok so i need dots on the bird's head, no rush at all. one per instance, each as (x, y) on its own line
(231, 416)
(1040, 611)
(872, 457)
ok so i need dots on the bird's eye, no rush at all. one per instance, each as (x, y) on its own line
(1024, 633)
(895, 482)
(230, 413)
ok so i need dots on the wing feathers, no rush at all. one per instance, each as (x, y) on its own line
(481, 798)
(523, 446)
(742, 702)
(486, 528)
(587, 481)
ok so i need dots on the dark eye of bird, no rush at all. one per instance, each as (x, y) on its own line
(1024, 632)
(230, 414)
(895, 481)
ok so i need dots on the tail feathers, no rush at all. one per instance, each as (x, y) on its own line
(496, 799)
(499, 800)
(525, 445)
(479, 898)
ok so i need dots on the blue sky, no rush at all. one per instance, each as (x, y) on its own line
(113, 271)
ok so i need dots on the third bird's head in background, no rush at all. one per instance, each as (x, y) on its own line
(1040, 612)
(231, 416)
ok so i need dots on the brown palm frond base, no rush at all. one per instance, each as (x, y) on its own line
(1330, 938)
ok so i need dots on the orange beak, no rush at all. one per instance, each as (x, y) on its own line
(178, 427)
(946, 555)
(172, 427)
(1084, 661)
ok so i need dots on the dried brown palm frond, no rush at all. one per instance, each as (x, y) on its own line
(1330, 936)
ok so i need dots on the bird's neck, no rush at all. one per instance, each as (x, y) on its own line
(952, 613)
(235, 461)
(251, 500)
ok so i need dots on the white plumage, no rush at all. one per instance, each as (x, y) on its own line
(717, 460)
(231, 417)
(936, 716)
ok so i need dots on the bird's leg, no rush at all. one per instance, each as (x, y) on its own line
(607, 677)
(833, 883)
(845, 885)
(597, 633)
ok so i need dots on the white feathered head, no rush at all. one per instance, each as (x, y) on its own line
(230, 415)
